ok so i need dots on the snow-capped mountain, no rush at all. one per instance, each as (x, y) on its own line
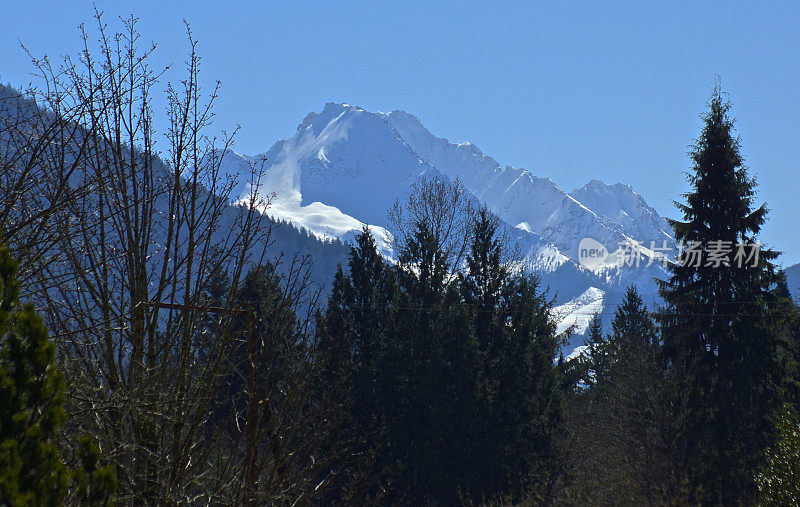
(345, 166)
(533, 203)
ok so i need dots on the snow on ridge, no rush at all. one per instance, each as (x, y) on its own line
(579, 311)
(328, 223)
(579, 351)
(536, 204)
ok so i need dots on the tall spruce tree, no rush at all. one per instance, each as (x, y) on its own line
(530, 401)
(717, 321)
(640, 402)
(519, 405)
(369, 300)
(482, 288)
(485, 279)
(359, 353)
(267, 343)
(438, 369)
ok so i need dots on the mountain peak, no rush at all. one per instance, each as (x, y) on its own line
(398, 114)
(331, 111)
(340, 107)
(622, 205)
(595, 183)
(599, 185)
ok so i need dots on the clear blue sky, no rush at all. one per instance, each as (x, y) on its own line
(569, 91)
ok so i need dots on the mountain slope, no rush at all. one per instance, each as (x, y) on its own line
(19, 113)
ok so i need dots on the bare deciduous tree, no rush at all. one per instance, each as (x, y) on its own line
(134, 242)
(445, 208)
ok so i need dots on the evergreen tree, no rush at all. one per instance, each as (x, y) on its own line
(92, 484)
(335, 336)
(482, 288)
(631, 348)
(777, 480)
(787, 326)
(32, 471)
(518, 391)
(437, 364)
(717, 323)
(639, 397)
(530, 401)
(598, 354)
(594, 333)
(209, 327)
(358, 317)
(370, 304)
(356, 342)
(262, 354)
(454, 375)
(485, 279)
(634, 338)
(362, 358)
(32, 410)
(628, 405)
